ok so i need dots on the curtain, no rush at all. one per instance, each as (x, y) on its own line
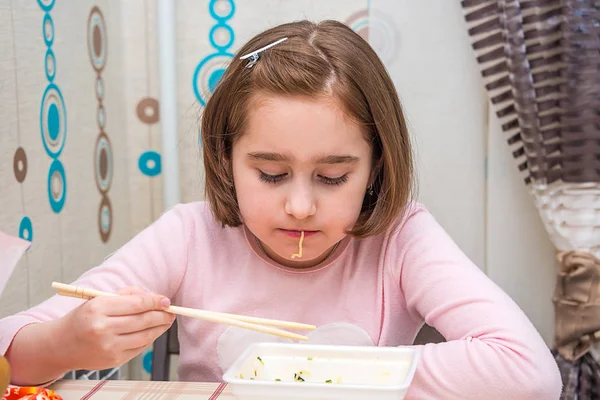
(540, 60)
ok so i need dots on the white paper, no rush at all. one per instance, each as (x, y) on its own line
(11, 250)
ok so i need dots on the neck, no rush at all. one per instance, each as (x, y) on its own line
(293, 263)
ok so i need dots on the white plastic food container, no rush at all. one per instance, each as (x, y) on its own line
(303, 371)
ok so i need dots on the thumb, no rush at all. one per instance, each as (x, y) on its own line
(154, 301)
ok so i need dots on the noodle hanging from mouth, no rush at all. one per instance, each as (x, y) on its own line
(299, 254)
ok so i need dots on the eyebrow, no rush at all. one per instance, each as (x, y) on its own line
(330, 159)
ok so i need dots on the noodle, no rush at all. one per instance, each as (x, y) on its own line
(299, 254)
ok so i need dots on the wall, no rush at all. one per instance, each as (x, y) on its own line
(97, 121)
(72, 136)
(468, 179)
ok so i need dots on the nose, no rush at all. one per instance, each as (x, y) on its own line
(300, 202)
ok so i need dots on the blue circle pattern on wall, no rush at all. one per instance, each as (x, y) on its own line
(221, 37)
(26, 229)
(50, 65)
(150, 163)
(46, 5)
(147, 361)
(48, 30)
(53, 118)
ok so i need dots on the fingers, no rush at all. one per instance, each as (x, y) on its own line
(137, 290)
(129, 304)
(142, 339)
(142, 321)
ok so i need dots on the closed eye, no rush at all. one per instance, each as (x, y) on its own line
(334, 181)
(274, 179)
(270, 178)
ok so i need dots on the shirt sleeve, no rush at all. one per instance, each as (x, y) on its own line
(492, 350)
(155, 259)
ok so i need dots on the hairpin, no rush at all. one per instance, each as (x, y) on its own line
(253, 56)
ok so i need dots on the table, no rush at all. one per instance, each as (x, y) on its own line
(138, 390)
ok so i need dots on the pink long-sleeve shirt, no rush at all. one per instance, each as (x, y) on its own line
(375, 291)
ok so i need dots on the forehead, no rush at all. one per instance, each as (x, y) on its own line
(301, 126)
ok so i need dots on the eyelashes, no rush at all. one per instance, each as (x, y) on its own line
(334, 181)
(274, 179)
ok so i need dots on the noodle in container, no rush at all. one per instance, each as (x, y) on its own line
(304, 371)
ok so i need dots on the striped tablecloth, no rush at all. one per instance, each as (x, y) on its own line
(140, 390)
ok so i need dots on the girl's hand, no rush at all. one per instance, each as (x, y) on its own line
(106, 332)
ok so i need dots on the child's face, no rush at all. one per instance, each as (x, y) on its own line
(302, 165)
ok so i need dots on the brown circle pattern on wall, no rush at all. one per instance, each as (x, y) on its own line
(103, 157)
(96, 39)
(105, 219)
(147, 110)
(359, 22)
(378, 29)
(20, 165)
(99, 88)
(103, 165)
(101, 116)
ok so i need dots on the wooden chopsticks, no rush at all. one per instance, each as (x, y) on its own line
(241, 321)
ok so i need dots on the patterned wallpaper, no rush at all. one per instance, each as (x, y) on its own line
(80, 164)
(97, 43)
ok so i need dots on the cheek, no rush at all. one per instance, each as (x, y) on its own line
(341, 210)
(253, 200)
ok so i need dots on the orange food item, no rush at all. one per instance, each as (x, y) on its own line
(4, 374)
(30, 393)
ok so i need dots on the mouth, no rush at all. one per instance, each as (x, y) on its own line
(296, 233)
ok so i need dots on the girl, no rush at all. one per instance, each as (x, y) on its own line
(304, 140)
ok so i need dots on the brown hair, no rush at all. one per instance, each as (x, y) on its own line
(324, 59)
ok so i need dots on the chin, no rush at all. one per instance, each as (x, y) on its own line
(306, 256)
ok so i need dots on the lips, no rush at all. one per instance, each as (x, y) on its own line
(297, 233)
